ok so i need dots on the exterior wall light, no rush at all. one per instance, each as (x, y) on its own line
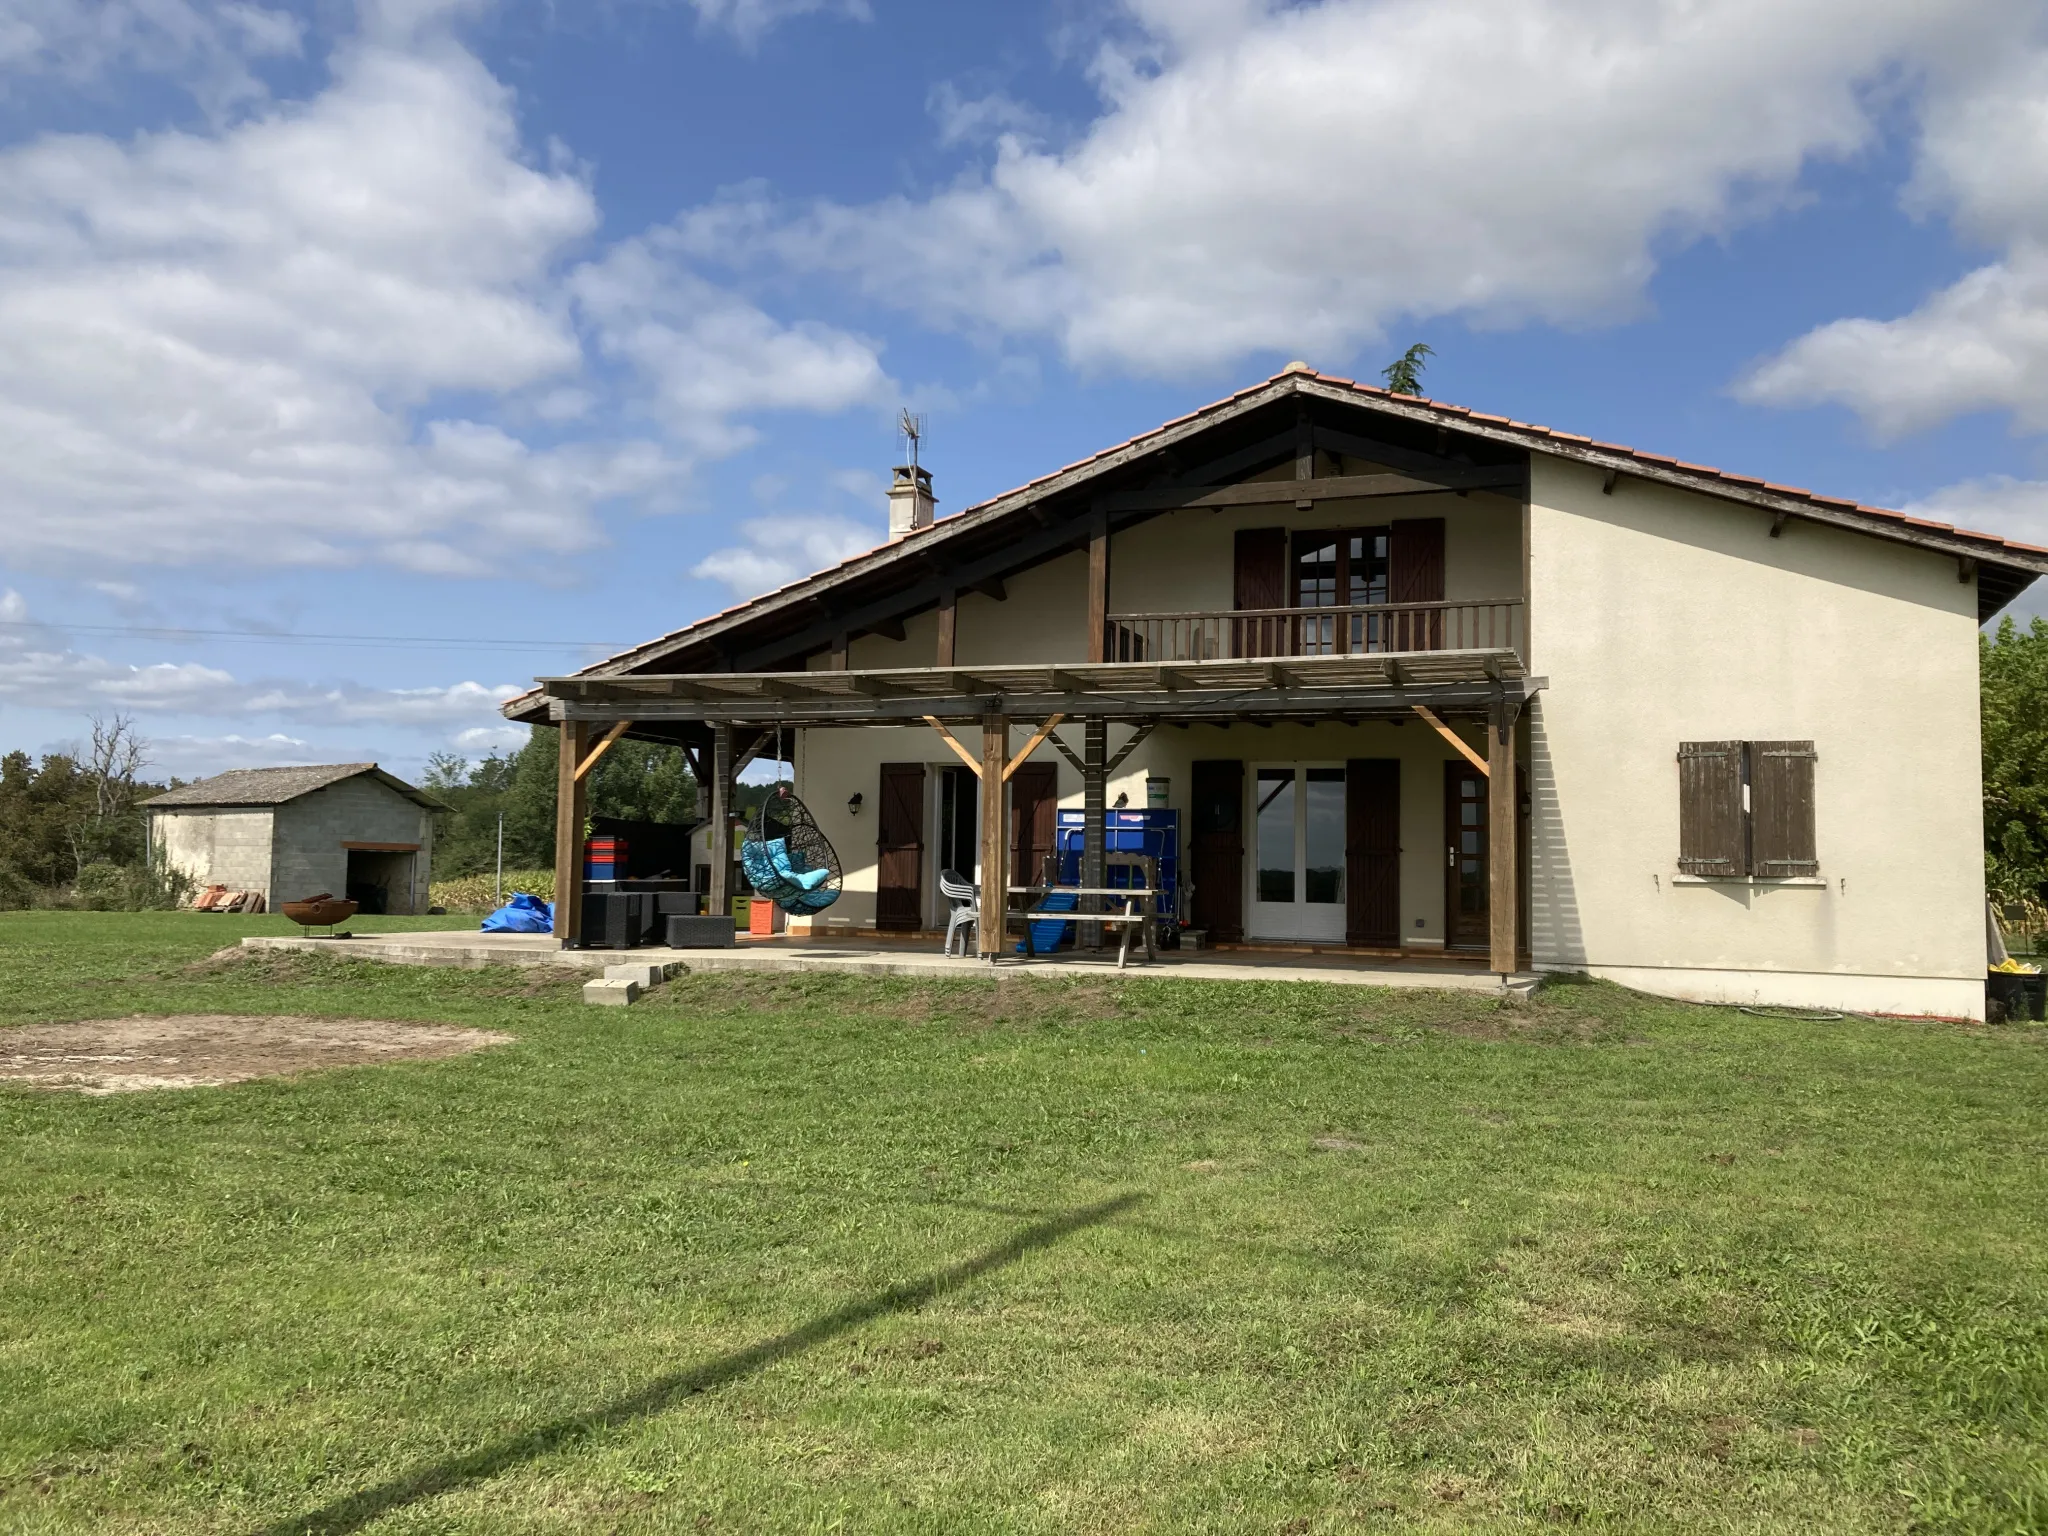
(853, 805)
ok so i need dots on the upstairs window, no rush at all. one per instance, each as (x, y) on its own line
(1337, 568)
(1745, 808)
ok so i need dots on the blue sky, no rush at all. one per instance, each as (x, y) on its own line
(360, 361)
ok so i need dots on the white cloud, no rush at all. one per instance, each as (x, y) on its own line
(749, 19)
(206, 44)
(40, 669)
(2000, 504)
(781, 548)
(199, 757)
(707, 355)
(986, 119)
(1298, 177)
(1982, 342)
(238, 346)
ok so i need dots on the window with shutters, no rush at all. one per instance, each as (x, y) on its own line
(1745, 808)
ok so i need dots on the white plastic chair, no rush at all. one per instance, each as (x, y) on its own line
(966, 912)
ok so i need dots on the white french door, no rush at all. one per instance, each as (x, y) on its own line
(1297, 874)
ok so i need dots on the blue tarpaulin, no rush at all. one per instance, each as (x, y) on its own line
(522, 914)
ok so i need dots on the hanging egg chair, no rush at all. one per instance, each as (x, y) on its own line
(787, 859)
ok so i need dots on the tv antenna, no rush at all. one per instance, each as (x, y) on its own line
(911, 429)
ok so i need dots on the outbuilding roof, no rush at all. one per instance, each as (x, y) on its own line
(275, 786)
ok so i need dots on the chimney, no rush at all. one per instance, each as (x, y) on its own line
(910, 500)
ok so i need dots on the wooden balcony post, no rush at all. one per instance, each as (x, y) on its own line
(1502, 850)
(570, 807)
(991, 928)
(949, 627)
(1098, 586)
(721, 893)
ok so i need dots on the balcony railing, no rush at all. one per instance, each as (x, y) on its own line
(1494, 624)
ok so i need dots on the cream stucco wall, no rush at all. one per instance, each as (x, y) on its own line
(1659, 616)
(229, 847)
(1185, 561)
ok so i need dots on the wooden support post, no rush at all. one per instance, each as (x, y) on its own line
(1502, 845)
(1094, 797)
(569, 813)
(949, 627)
(836, 658)
(992, 928)
(721, 820)
(1098, 585)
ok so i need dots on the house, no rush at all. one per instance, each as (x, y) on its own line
(294, 832)
(1418, 680)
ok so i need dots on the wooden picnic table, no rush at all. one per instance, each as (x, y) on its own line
(1146, 921)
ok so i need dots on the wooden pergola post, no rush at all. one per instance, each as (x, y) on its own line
(571, 805)
(992, 926)
(721, 820)
(1094, 797)
(1502, 846)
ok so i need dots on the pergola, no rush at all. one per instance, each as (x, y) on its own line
(723, 718)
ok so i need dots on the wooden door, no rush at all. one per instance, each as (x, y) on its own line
(1259, 580)
(1372, 853)
(1034, 816)
(1415, 574)
(1216, 850)
(1466, 923)
(899, 848)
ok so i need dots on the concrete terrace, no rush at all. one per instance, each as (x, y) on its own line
(908, 956)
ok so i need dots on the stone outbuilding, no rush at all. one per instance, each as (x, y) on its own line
(346, 828)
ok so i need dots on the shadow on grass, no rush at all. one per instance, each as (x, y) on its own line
(359, 1509)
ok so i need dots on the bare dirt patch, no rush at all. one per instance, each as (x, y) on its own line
(207, 1050)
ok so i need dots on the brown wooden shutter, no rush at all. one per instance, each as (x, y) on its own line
(1216, 849)
(1415, 574)
(899, 847)
(1034, 821)
(1260, 581)
(1372, 853)
(1712, 835)
(1781, 808)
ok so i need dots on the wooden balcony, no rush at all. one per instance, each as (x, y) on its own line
(1378, 628)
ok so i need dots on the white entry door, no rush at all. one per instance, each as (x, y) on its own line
(1298, 852)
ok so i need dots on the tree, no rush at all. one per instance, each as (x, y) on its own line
(1404, 373)
(110, 832)
(633, 781)
(2013, 672)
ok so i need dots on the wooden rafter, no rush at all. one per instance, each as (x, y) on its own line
(1454, 739)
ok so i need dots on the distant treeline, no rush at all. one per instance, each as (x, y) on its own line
(634, 781)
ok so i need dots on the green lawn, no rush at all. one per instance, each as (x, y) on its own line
(825, 1254)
